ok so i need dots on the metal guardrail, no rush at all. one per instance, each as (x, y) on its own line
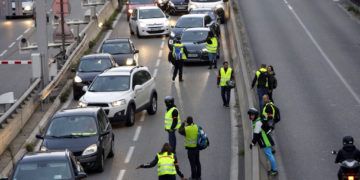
(19, 101)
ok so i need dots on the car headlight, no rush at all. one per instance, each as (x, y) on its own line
(118, 103)
(27, 8)
(82, 104)
(172, 34)
(43, 148)
(129, 61)
(171, 4)
(77, 79)
(130, 11)
(90, 150)
(142, 24)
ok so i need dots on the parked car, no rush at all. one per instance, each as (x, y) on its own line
(89, 67)
(123, 51)
(177, 6)
(86, 132)
(196, 51)
(214, 17)
(121, 92)
(48, 165)
(149, 21)
(132, 4)
(221, 7)
(27, 9)
(188, 21)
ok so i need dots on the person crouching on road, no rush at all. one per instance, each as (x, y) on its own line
(167, 164)
(264, 140)
(190, 131)
(172, 120)
(225, 74)
(178, 57)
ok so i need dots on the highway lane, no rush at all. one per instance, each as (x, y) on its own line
(314, 47)
(196, 96)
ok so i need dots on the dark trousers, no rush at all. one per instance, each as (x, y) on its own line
(172, 140)
(178, 66)
(270, 92)
(194, 159)
(225, 94)
(261, 92)
(167, 177)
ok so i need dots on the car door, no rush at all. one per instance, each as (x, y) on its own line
(139, 96)
(105, 137)
(147, 85)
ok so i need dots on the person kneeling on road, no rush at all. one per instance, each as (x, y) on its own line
(264, 140)
(167, 164)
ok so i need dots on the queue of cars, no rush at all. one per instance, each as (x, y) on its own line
(111, 87)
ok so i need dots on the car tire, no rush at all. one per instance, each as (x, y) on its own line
(111, 153)
(138, 33)
(152, 105)
(100, 166)
(130, 116)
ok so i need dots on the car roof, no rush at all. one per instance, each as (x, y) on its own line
(116, 40)
(77, 111)
(193, 15)
(45, 156)
(121, 70)
(147, 7)
(198, 29)
(93, 56)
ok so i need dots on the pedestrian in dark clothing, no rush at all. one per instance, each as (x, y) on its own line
(190, 130)
(272, 82)
(172, 120)
(225, 74)
(178, 56)
(167, 164)
(261, 82)
(347, 152)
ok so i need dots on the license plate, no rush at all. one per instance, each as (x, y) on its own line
(155, 29)
(181, 7)
(192, 55)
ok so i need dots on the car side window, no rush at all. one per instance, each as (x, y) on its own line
(136, 79)
(145, 76)
(134, 14)
(102, 121)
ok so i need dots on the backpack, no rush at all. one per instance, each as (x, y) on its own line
(277, 116)
(203, 140)
(177, 53)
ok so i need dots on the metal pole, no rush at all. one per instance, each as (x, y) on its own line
(62, 28)
(42, 40)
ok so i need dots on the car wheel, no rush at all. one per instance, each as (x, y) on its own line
(152, 105)
(138, 33)
(111, 153)
(100, 167)
(130, 116)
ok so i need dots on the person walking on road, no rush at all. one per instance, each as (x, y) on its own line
(261, 82)
(268, 112)
(172, 120)
(263, 139)
(225, 75)
(178, 55)
(272, 82)
(167, 164)
(191, 131)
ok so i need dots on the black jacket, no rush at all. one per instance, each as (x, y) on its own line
(262, 80)
(348, 151)
(272, 81)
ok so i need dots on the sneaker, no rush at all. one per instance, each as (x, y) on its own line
(272, 173)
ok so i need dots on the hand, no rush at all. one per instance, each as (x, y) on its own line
(139, 166)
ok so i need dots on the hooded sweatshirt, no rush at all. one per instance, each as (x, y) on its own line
(349, 151)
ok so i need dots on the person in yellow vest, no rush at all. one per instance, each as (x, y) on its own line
(190, 130)
(172, 120)
(268, 112)
(212, 48)
(167, 164)
(225, 75)
(261, 82)
(178, 55)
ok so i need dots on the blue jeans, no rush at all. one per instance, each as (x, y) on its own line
(270, 157)
(261, 92)
(212, 58)
(172, 140)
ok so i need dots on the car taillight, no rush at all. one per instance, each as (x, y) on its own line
(351, 178)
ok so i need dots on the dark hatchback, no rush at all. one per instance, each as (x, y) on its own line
(123, 51)
(48, 165)
(89, 67)
(86, 132)
(215, 24)
(177, 6)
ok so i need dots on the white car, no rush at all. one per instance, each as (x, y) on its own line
(121, 92)
(221, 7)
(149, 21)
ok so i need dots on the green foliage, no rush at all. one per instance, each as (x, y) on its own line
(30, 147)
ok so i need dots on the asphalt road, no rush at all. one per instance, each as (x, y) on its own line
(197, 96)
(11, 33)
(314, 47)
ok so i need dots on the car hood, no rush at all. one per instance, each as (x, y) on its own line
(120, 59)
(191, 47)
(73, 144)
(87, 76)
(103, 97)
(180, 2)
(153, 21)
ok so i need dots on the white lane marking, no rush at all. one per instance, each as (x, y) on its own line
(12, 44)
(325, 56)
(162, 44)
(290, 7)
(137, 133)
(121, 174)
(157, 63)
(27, 30)
(3, 53)
(129, 154)
(21, 36)
(160, 53)
(106, 37)
(180, 99)
(155, 72)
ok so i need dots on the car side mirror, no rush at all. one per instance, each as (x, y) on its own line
(85, 88)
(167, 16)
(81, 175)
(39, 136)
(137, 87)
(136, 51)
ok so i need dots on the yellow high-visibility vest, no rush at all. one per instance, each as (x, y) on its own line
(212, 48)
(166, 164)
(191, 135)
(169, 119)
(225, 76)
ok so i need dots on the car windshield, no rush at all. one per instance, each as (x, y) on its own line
(72, 126)
(110, 83)
(209, 12)
(27, 0)
(189, 22)
(94, 65)
(205, 0)
(150, 13)
(43, 170)
(116, 48)
(141, 2)
(193, 36)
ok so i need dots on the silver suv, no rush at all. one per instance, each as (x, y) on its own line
(121, 92)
